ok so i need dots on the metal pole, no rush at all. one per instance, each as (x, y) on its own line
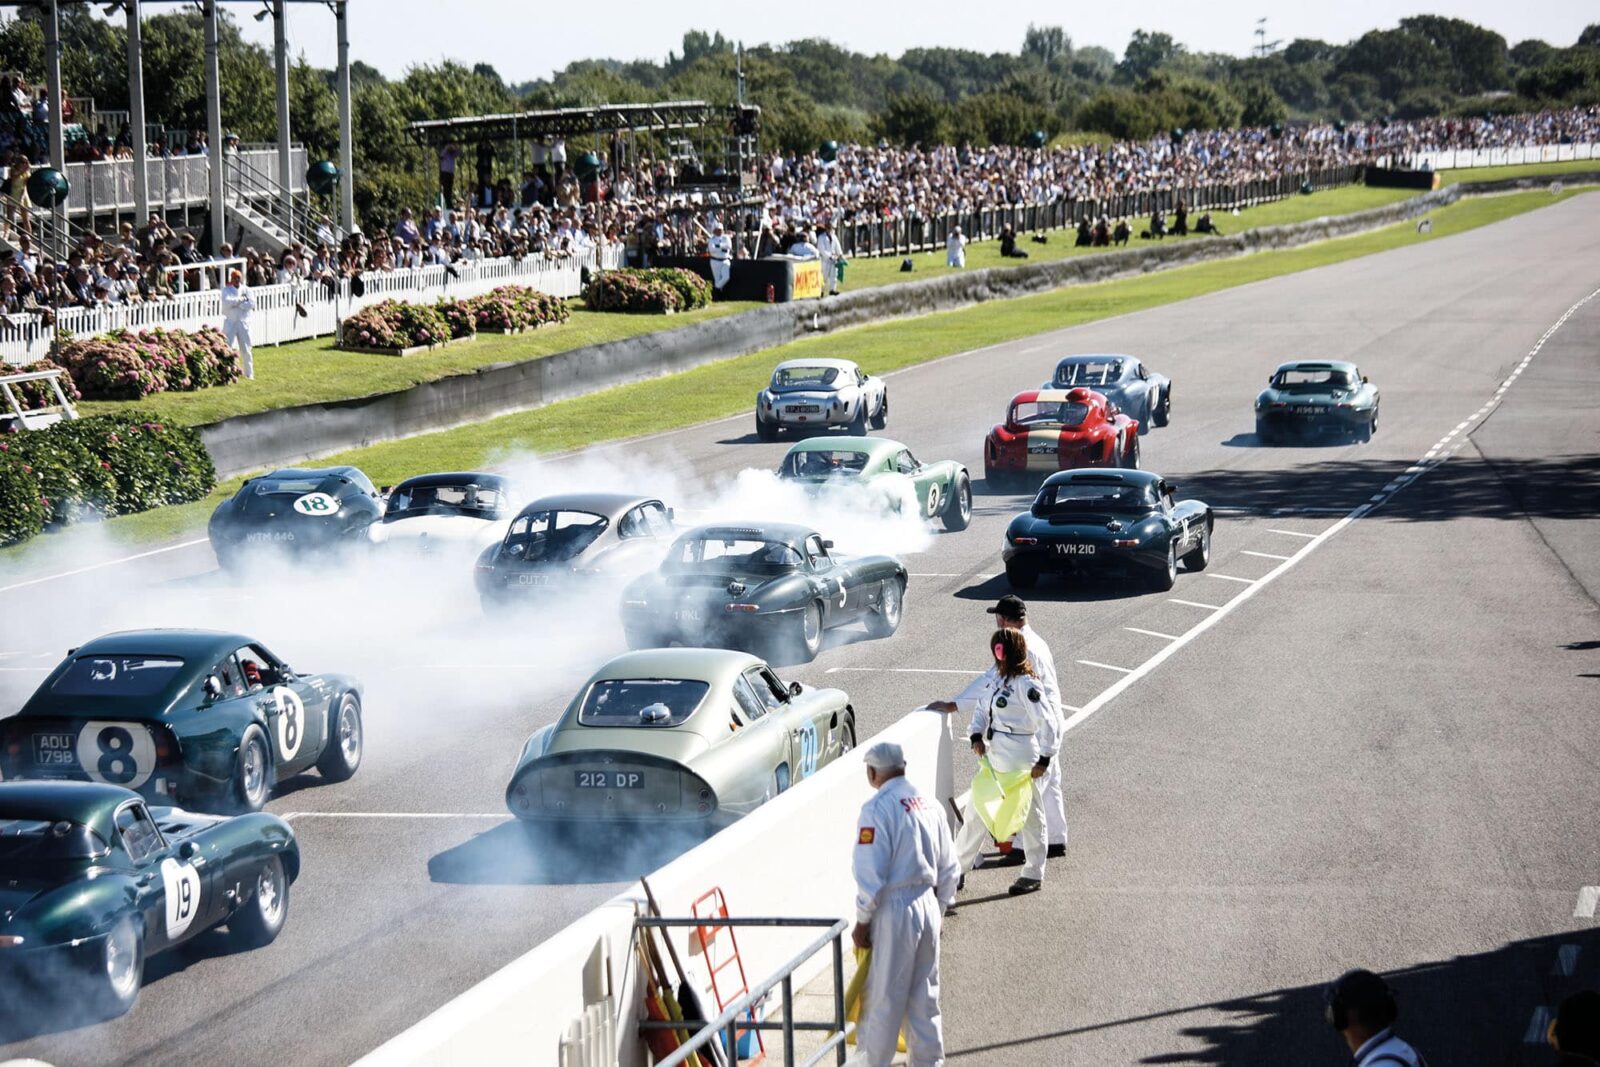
(52, 71)
(280, 55)
(219, 227)
(347, 187)
(141, 150)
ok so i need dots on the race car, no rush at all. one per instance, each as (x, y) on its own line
(677, 736)
(558, 541)
(1327, 397)
(463, 511)
(1117, 521)
(95, 883)
(207, 719)
(295, 511)
(1055, 429)
(772, 587)
(818, 393)
(1124, 380)
(886, 472)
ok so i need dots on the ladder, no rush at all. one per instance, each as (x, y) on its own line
(713, 905)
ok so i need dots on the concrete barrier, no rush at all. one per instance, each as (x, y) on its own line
(289, 435)
(791, 858)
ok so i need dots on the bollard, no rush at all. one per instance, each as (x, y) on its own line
(772, 295)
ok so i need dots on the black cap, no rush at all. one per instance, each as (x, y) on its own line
(1577, 1024)
(1010, 607)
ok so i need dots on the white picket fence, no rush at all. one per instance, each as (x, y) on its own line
(1452, 158)
(23, 339)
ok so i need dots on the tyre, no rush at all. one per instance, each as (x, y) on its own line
(117, 971)
(891, 602)
(847, 736)
(252, 771)
(858, 421)
(1161, 413)
(1199, 556)
(1021, 576)
(260, 919)
(958, 509)
(808, 633)
(1364, 432)
(1164, 578)
(1264, 435)
(341, 753)
(766, 431)
(1130, 455)
(881, 419)
(1373, 429)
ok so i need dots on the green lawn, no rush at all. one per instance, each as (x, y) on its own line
(727, 387)
(1527, 170)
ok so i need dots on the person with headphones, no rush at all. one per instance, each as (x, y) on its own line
(1575, 1031)
(1361, 1006)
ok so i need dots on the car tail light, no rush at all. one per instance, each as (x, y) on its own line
(742, 607)
(11, 941)
(1126, 542)
(1024, 540)
(1279, 404)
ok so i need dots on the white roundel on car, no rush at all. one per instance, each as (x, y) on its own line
(182, 883)
(117, 753)
(291, 721)
(316, 504)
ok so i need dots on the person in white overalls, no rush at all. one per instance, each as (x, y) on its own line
(955, 249)
(1017, 728)
(237, 304)
(720, 249)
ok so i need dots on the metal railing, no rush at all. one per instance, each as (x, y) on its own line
(259, 190)
(28, 418)
(740, 1015)
(50, 231)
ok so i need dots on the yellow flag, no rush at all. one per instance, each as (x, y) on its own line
(1002, 800)
(855, 996)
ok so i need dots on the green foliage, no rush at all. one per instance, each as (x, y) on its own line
(1146, 53)
(1259, 104)
(153, 463)
(650, 290)
(72, 482)
(22, 506)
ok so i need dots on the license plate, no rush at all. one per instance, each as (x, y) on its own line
(1075, 550)
(687, 615)
(809, 409)
(259, 538)
(1306, 409)
(608, 779)
(1041, 450)
(55, 750)
(533, 579)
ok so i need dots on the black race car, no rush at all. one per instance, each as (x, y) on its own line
(771, 589)
(1328, 398)
(294, 511)
(1094, 520)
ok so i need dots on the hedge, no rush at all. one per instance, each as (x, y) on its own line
(122, 365)
(100, 465)
(648, 289)
(516, 307)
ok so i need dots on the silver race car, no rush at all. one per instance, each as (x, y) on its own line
(807, 393)
(1140, 392)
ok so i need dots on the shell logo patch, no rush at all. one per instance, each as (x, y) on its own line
(866, 836)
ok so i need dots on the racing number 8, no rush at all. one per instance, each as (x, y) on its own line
(117, 765)
(291, 725)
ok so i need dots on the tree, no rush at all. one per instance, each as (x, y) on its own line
(1048, 45)
(1259, 105)
(1146, 52)
(914, 118)
(998, 118)
(1476, 57)
(1122, 113)
(1093, 64)
(1590, 37)
(1530, 55)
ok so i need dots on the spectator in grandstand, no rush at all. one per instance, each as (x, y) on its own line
(406, 229)
(448, 155)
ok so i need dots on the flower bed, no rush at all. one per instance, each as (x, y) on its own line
(657, 290)
(513, 308)
(100, 465)
(395, 327)
(126, 366)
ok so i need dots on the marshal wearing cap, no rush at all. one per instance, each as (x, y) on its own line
(1009, 607)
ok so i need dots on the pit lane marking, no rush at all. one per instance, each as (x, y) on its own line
(1152, 633)
(106, 563)
(1588, 897)
(1108, 666)
(1231, 578)
(1263, 555)
(1195, 604)
(1291, 533)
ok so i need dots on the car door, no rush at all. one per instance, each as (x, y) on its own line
(642, 533)
(295, 712)
(170, 888)
(762, 734)
(805, 722)
(928, 489)
(833, 581)
(1182, 536)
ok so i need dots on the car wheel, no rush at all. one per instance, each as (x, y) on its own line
(1199, 556)
(891, 601)
(766, 431)
(1165, 577)
(858, 421)
(259, 921)
(1364, 432)
(958, 509)
(341, 754)
(252, 771)
(881, 419)
(1021, 576)
(809, 633)
(1373, 429)
(1130, 457)
(118, 971)
(847, 736)
(1264, 435)
(1163, 409)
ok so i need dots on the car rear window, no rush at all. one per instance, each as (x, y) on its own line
(37, 840)
(1099, 372)
(641, 702)
(552, 536)
(275, 486)
(1066, 413)
(804, 377)
(816, 463)
(733, 552)
(1097, 496)
(117, 676)
(1313, 378)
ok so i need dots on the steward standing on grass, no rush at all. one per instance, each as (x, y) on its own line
(906, 875)
(237, 304)
(955, 249)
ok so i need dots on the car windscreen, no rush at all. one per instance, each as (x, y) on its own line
(641, 702)
(117, 676)
(1096, 496)
(804, 378)
(289, 486)
(552, 536)
(1312, 380)
(733, 554)
(477, 501)
(1049, 414)
(266, 497)
(26, 840)
(820, 464)
(1097, 372)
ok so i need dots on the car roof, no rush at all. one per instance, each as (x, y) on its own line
(787, 532)
(1103, 475)
(872, 446)
(1317, 364)
(717, 667)
(455, 478)
(1093, 357)
(186, 644)
(89, 804)
(820, 361)
(1052, 396)
(317, 473)
(608, 504)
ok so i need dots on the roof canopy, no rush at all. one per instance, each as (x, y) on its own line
(575, 121)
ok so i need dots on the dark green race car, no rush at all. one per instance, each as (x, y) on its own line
(92, 882)
(1327, 398)
(210, 720)
(886, 473)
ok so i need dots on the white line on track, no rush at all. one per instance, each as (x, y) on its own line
(1107, 666)
(105, 563)
(1195, 604)
(1151, 633)
(1588, 897)
(1263, 555)
(1232, 578)
(294, 815)
(1291, 533)
(898, 670)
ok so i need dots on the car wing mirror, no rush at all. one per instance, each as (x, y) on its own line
(827, 544)
(188, 850)
(1364, 378)
(212, 687)
(672, 514)
(795, 689)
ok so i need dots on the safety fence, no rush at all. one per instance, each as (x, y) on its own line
(883, 237)
(297, 310)
(1453, 158)
(175, 182)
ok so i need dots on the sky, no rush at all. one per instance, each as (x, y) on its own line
(525, 41)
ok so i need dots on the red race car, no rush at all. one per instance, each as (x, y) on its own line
(1050, 430)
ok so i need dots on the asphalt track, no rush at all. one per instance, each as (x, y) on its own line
(1382, 753)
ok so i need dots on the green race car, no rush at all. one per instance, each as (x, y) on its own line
(206, 719)
(887, 471)
(694, 737)
(92, 882)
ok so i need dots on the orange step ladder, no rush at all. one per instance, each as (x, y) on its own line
(713, 905)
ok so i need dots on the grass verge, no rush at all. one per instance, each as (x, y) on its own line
(728, 387)
(1524, 170)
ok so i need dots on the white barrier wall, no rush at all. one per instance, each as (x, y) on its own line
(1451, 159)
(791, 858)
